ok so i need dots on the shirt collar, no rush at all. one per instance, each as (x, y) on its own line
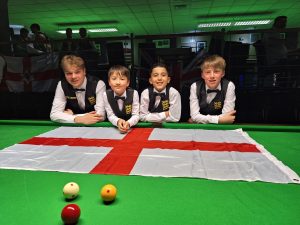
(123, 95)
(163, 91)
(218, 88)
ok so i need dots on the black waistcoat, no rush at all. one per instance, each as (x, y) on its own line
(164, 103)
(126, 111)
(216, 105)
(90, 96)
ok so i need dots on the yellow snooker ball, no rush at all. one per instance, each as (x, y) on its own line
(71, 190)
(108, 193)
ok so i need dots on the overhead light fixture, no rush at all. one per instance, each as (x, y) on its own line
(16, 26)
(63, 31)
(103, 30)
(256, 22)
(240, 23)
(226, 24)
(95, 30)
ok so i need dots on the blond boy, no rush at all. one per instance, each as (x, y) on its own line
(212, 99)
(78, 97)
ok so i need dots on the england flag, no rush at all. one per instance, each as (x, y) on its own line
(31, 74)
(210, 154)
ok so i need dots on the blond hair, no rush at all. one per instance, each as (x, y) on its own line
(72, 60)
(213, 61)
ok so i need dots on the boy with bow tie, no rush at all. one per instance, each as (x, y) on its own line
(78, 98)
(160, 102)
(121, 103)
(212, 99)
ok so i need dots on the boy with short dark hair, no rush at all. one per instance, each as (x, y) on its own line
(212, 99)
(160, 102)
(121, 103)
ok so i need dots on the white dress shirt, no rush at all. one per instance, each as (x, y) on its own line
(229, 104)
(134, 119)
(174, 110)
(59, 103)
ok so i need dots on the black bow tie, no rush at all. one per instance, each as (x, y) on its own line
(159, 94)
(79, 89)
(119, 97)
(210, 91)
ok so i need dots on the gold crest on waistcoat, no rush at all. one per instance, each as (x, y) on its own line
(92, 100)
(165, 105)
(128, 109)
(217, 105)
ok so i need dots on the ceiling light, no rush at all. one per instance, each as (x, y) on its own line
(91, 30)
(103, 30)
(16, 26)
(63, 31)
(256, 22)
(226, 24)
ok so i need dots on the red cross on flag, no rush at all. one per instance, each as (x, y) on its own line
(210, 154)
(31, 74)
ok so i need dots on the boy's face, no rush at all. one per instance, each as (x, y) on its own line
(118, 83)
(212, 77)
(74, 75)
(159, 78)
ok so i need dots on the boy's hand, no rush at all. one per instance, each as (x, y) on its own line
(167, 114)
(89, 118)
(123, 126)
(190, 120)
(227, 117)
(69, 111)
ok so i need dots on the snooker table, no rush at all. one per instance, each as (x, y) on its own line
(35, 197)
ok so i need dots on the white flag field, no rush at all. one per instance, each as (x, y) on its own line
(159, 152)
(34, 74)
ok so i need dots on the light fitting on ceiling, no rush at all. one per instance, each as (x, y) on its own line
(92, 30)
(240, 23)
(256, 22)
(227, 24)
(16, 26)
(63, 31)
(103, 30)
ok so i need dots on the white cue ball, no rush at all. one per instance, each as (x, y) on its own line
(71, 190)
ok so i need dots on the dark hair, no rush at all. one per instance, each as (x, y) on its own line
(24, 31)
(122, 70)
(82, 32)
(278, 21)
(35, 25)
(279, 18)
(159, 64)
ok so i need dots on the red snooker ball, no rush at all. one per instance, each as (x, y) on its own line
(70, 214)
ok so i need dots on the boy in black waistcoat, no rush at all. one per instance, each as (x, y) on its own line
(78, 98)
(212, 99)
(160, 102)
(121, 102)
